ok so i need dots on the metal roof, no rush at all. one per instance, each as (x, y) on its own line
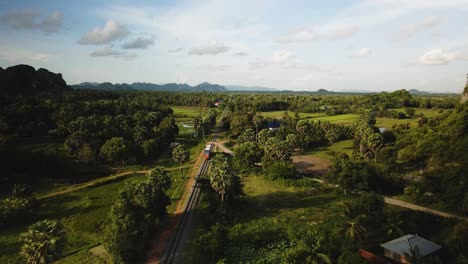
(404, 244)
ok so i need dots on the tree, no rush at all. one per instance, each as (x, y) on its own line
(263, 136)
(246, 155)
(75, 142)
(220, 176)
(347, 173)
(352, 228)
(114, 150)
(375, 142)
(197, 120)
(180, 155)
(309, 249)
(257, 120)
(43, 242)
(223, 180)
(247, 136)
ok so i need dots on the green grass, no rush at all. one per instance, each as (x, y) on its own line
(345, 119)
(271, 208)
(82, 213)
(345, 146)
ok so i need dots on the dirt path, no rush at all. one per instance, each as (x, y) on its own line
(416, 207)
(161, 238)
(91, 183)
(220, 146)
(311, 165)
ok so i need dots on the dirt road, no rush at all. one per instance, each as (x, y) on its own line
(416, 207)
(91, 183)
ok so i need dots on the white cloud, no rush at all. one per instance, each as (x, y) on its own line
(211, 67)
(297, 36)
(241, 54)
(30, 20)
(109, 52)
(213, 48)
(110, 32)
(364, 52)
(412, 29)
(280, 57)
(324, 33)
(138, 43)
(176, 50)
(17, 55)
(438, 57)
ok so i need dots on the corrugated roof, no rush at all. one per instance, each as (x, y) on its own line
(404, 244)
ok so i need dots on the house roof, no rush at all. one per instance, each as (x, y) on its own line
(404, 244)
(274, 124)
(371, 258)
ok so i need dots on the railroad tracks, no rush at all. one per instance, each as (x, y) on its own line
(173, 253)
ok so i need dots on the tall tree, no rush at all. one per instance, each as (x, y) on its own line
(114, 150)
(180, 154)
(43, 242)
(257, 120)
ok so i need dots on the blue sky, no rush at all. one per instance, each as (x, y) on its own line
(374, 45)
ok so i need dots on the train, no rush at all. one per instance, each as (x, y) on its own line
(207, 151)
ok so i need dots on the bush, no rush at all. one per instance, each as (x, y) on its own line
(280, 170)
(16, 210)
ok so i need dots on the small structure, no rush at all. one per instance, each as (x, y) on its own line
(398, 249)
(274, 125)
(372, 258)
(382, 129)
(218, 102)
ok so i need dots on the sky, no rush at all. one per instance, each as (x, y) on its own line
(362, 45)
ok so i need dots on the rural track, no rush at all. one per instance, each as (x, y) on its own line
(92, 183)
(178, 240)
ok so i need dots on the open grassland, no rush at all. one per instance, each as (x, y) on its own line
(83, 208)
(348, 119)
(345, 146)
(82, 213)
(271, 208)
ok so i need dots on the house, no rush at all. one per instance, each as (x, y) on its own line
(274, 125)
(398, 249)
(372, 258)
(218, 102)
(382, 129)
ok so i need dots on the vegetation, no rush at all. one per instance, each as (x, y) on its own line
(255, 207)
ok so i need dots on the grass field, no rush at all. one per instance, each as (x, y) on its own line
(348, 119)
(345, 146)
(184, 115)
(272, 207)
(83, 211)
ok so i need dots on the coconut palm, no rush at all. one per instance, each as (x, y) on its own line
(311, 244)
(353, 228)
(257, 120)
(43, 242)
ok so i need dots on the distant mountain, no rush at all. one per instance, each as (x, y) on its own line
(25, 80)
(175, 87)
(250, 88)
(417, 92)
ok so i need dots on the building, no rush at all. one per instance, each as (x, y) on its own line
(398, 249)
(274, 125)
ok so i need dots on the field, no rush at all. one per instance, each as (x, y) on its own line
(82, 213)
(272, 208)
(184, 115)
(348, 119)
(345, 146)
(83, 210)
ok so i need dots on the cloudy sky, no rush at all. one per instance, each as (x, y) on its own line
(341, 45)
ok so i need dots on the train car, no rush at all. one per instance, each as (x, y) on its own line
(207, 151)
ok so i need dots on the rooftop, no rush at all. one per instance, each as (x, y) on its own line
(404, 244)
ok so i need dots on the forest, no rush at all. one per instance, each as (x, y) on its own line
(96, 176)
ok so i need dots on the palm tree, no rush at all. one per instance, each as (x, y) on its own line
(43, 242)
(257, 120)
(221, 176)
(196, 123)
(352, 228)
(311, 244)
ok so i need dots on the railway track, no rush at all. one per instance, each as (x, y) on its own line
(173, 253)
